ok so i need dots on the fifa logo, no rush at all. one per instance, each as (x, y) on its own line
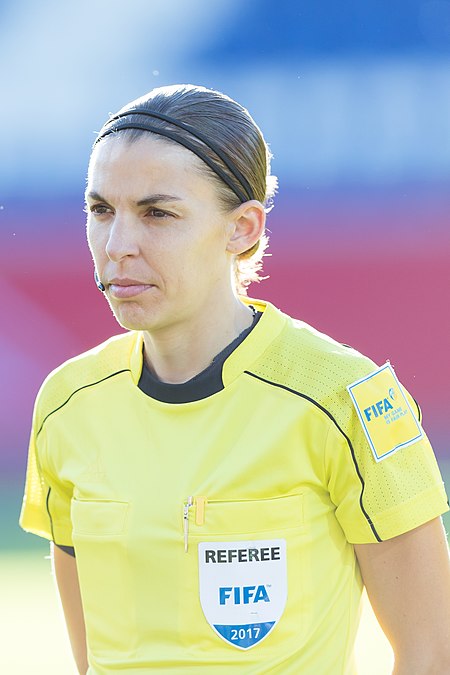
(379, 408)
(244, 595)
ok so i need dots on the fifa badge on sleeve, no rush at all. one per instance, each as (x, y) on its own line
(384, 412)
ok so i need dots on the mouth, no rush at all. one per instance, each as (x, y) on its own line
(127, 288)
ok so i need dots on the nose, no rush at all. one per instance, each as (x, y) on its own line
(122, 238)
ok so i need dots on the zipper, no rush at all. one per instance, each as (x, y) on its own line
(246, 501)
(200, 503)
(200, 508)
(186, 508)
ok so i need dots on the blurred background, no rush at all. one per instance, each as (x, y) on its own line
(354, 99)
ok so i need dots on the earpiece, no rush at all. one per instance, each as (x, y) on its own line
(98, 283)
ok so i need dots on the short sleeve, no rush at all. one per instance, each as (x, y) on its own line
(47, 500)
(377, 499)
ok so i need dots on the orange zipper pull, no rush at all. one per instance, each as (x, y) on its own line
(200, 503)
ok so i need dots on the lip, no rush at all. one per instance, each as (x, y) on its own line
(127, 281)
(127, 288)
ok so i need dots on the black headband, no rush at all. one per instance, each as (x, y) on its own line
(115, 123)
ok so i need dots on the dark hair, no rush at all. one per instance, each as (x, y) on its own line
(234, 152)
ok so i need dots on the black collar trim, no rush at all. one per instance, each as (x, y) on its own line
(205, 384)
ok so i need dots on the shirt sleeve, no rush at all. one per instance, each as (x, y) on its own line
(47, 499)
(387, 484)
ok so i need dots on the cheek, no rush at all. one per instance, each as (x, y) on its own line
(94, 239)
(206, 263)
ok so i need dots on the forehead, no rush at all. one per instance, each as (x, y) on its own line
(141, 163)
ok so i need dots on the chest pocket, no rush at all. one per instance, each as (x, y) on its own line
(245, 517)
(101, 538)
(246, 570)
(99, 518)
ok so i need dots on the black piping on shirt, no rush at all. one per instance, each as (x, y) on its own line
(85, 386)
(419, 412)
(327, 412)
(49, 514)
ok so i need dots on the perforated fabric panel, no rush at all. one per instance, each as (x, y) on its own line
(82, 371)
(315, 366)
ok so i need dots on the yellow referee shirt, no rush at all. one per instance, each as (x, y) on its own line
(215, 535)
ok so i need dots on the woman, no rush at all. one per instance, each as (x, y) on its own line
(216, 481)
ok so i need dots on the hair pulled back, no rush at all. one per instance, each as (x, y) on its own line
(235, 155)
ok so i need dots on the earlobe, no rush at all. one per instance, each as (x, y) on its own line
(248, 227)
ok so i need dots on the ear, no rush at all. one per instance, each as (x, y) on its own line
(246, 227)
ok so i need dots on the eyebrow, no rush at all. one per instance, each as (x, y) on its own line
(147, 201)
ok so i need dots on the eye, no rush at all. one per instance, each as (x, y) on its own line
(158, 213)
(98, 209)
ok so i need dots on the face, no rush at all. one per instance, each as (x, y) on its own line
(157, 233)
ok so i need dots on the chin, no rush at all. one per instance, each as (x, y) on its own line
(130, 316)
(135, 318)
(130, 323)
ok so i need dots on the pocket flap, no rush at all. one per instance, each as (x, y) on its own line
(251, 516)
(98, 518)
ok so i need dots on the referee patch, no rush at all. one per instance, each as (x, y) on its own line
(243, 588)
(384, 412)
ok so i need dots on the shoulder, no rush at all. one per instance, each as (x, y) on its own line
(103, 361)
(313, 365)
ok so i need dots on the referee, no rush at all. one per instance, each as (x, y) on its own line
(221, 481)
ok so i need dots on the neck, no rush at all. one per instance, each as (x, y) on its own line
(180, 352)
